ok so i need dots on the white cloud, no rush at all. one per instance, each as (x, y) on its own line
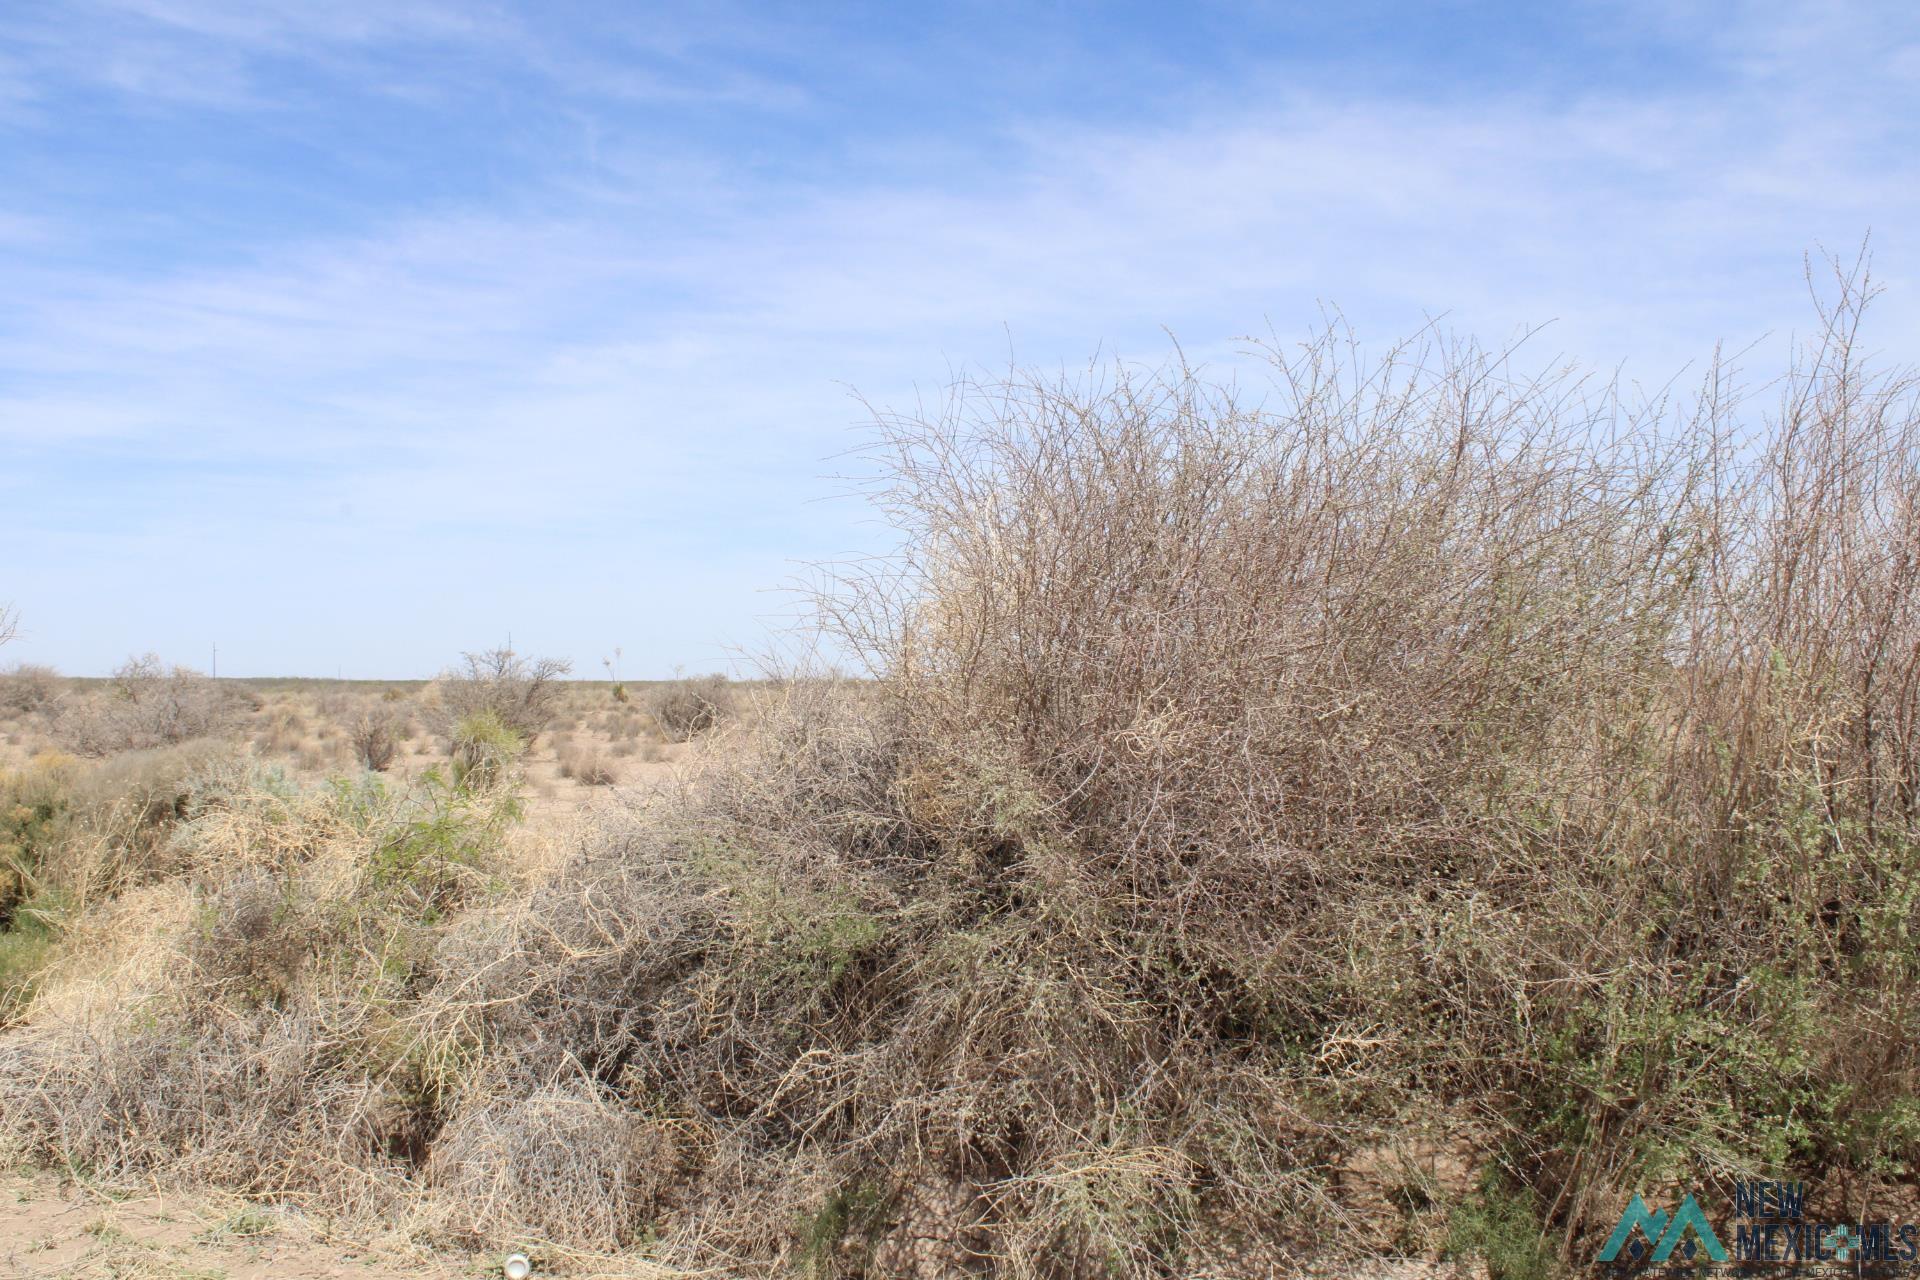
(583, 378)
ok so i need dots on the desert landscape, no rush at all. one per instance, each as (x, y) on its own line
(718, 640)
(1211, 871)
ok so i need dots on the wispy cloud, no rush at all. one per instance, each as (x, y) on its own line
(599, 391)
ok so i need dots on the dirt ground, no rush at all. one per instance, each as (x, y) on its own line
(53, 1232)
(50, 1231)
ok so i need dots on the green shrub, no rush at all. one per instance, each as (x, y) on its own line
(1500, 1223)
(35, 804)
(485, 749)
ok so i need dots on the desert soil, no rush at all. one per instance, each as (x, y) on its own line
(50, 1231)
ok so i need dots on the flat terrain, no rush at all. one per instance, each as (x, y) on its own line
(306, 727)
(50, 1230)
(53, 1232)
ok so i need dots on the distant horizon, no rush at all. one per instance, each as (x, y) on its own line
(353, 336)
(575, 679)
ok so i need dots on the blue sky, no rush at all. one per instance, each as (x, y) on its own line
(351, 335)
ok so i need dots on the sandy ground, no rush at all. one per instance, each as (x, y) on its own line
(53, 1232)
(51, 1229)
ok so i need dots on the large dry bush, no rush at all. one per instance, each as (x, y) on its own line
(1244, 784)
(1240, 789)
(521, 692)
(28, 687)
(686, 707)
(149, 705)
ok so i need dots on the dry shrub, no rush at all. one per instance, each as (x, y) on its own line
(522, 693)
(1237, 790)
(566, 1162)
(485, 750)
(285, 731)
(124, 812)
(146, 706)
(27, 688)
(588, 765)
(318, 757)
(236, 1023)
(684, 709)
(375, 734)
(339, 707)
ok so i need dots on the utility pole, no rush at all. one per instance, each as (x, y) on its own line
(216, 659)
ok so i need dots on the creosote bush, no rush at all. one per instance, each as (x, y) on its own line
(1237, 788)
